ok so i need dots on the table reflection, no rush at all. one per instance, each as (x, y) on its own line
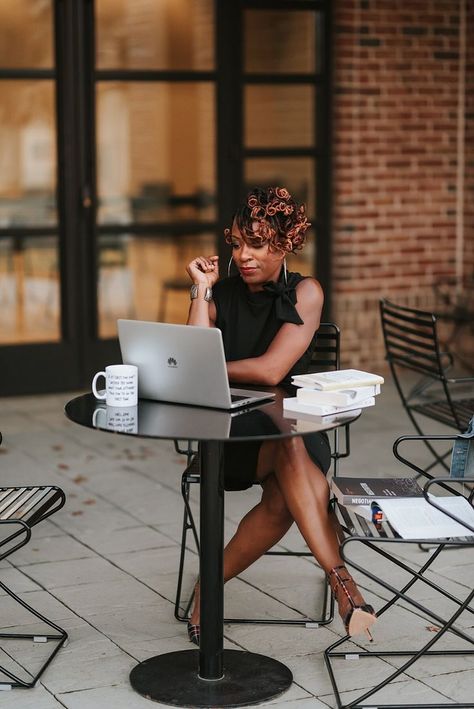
(157, 419)
(122, 419)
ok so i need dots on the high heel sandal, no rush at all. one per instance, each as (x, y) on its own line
(194, 629)
(193, 633)
(357, 615)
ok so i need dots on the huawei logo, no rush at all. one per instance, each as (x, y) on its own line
(172, 362)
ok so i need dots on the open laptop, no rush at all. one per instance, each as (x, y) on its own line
(183, 364)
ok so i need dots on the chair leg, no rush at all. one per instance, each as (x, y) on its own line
(188, 525)
(60, 636)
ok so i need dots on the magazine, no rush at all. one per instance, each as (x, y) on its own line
(415, 518)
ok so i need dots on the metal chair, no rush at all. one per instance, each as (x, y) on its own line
(412, 344)
(22, 508)
(377, 540)
(326, 357)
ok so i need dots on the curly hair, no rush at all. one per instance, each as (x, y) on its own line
(282, 222)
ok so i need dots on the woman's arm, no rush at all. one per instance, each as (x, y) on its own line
(204, 273)
(288, 345)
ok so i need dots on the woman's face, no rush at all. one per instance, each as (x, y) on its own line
(257, 264)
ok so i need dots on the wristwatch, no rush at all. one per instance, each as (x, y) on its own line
(194, 292)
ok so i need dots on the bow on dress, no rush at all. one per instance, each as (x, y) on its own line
(285, 300)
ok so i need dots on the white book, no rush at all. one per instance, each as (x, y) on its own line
(340, 379)
(341, 397)
(415, 518)
(295, 405)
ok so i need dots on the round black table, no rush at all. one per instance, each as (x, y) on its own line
(210, 676)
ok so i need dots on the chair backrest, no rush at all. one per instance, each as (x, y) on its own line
(31, 504)
(411, 339)
(411, 342)
(326, 355)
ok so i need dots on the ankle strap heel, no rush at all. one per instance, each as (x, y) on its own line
(357, 615)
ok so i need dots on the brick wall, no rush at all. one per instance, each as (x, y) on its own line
(469, 146)
(396, 217)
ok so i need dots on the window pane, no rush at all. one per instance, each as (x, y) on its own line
(155, 34)
(279, 42)
(27, 154)
(279, 116)
(155, 153)
(26, 34)
(296, 174)
(145, 277)
(29, 290)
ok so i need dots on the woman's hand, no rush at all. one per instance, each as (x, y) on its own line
(204, 269)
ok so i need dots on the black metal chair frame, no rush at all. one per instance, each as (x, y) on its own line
(412, 343)
(22, 508)
(360, 531)
(326, 356)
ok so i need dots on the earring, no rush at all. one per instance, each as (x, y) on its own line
(285, 276)
(229, 267)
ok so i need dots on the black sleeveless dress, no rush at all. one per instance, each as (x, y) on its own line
(249, 322)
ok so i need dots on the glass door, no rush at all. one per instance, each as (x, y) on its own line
(129, 131)
(153, 181)
(37, 351)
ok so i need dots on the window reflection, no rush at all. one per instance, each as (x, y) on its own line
(145, 277)
(27, 154)
(26, 34)
(278, 42)
(279, 116)
(163, 34)
(29, 290)
(155, 153)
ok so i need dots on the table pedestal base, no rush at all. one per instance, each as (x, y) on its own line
(173, 679)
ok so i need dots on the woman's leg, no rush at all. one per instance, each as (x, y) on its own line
(297, 491)
(261, 528)
(306, 494)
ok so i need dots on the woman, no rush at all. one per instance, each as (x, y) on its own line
(268, 319)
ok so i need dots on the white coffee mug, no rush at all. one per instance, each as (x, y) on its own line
(121, 385)
(122, 419)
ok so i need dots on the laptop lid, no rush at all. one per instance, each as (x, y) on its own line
(181, 364)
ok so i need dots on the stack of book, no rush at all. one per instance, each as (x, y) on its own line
(332, 393)
(401, 503)
(363, 495)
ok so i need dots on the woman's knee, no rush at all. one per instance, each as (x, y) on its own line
(290, 451)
